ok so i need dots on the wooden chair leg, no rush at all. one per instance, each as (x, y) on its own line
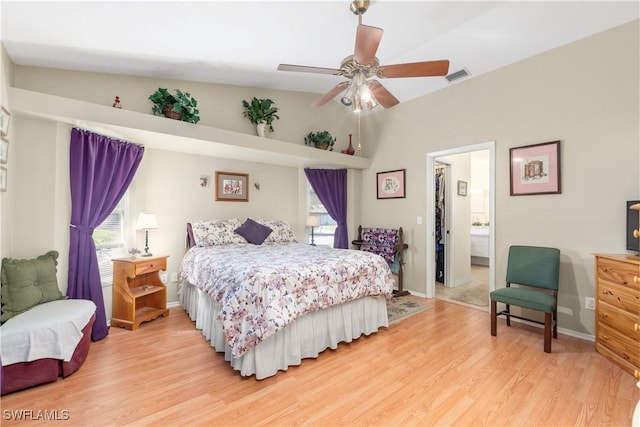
(494, 318)
(555, 323)
(547, 332)
(508, 310)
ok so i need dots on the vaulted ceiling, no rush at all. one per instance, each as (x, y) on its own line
(242, 42)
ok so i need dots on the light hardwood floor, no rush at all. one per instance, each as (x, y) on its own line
(440, 367)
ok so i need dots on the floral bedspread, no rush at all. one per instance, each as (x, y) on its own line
(262, 288)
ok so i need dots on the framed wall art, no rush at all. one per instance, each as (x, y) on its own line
(4, 150)
(4, 121)
(535, 169)
(462, 188)
(232, 187)
(391, 184)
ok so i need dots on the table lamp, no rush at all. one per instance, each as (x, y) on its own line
(146, 222)
(312, 222)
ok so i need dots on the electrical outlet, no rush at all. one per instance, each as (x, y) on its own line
(174, 276)
(590, 303)
(163, 276)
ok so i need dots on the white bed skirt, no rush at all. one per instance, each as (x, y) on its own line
(303, 338)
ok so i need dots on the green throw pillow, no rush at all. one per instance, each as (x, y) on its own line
(28, 282)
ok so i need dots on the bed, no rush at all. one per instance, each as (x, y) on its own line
(267, 302)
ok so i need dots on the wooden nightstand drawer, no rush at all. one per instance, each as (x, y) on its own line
(620, 320)
(623, 346)
(151, 265)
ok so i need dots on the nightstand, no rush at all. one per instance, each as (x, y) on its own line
(138, 293)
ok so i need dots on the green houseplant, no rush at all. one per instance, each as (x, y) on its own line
(261, 111)
(321, 139)
(179, 105)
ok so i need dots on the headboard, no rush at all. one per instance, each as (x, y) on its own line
(190, 241)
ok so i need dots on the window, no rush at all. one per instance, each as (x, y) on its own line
(323, 233)
(112, 239)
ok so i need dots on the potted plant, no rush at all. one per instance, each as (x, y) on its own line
(261, 111)
(178, 106)
(321, 139)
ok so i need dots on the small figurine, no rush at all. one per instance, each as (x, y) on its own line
(116, 103)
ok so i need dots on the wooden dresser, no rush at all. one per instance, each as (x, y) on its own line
(618, 310)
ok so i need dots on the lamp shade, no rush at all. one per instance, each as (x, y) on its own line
(312, 221)
(146, 221)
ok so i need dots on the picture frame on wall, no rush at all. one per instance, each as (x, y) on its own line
(391, 184)
(3, 179)
(535, 169)
(4, 150)
(232, 187)
(4, 121)
(462, 188)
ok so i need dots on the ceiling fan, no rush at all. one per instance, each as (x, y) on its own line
(360, 89)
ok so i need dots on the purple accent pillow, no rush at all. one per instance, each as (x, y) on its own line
(254, 232)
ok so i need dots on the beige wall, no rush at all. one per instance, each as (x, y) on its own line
(585, 94)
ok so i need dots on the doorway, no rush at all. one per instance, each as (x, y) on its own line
(457, 251)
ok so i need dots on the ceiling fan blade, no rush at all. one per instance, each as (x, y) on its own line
(305, 69)
(415, 69)
(330, 95)
(382, 95)
(367, 42)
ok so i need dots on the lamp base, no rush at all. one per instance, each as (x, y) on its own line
(146, 254)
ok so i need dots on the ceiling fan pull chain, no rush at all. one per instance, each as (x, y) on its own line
(359, 139)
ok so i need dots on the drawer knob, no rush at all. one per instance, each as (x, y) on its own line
(636, 279)
(636, 327)
(636, 234)
(636, 374)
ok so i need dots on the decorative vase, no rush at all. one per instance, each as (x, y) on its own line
(169, 113)
(350, 151)
(261, 129)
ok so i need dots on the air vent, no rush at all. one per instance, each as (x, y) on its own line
(458, 75)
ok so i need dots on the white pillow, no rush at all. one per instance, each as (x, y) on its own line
(216, 232)
(282, 231)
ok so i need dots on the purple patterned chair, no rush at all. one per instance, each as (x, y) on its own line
(389, 244)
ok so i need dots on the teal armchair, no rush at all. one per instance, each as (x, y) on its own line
(538, 269)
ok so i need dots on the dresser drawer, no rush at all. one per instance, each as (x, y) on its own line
(625, 347)
(619, 296)
(620, 273)
(151, 265)
(620, 320)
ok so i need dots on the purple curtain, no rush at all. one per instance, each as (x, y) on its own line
(331, 187)
(101, 169)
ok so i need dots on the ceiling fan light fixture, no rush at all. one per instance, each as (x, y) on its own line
(364, 93)
(357, 105)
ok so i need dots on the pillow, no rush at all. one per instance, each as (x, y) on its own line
(27, 283)
(216, 232)
(254, 232)
(282, 231)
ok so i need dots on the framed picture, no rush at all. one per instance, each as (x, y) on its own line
(232, 187)
(462, 188)
(4, 150)
(4, 121)
(3, 178)
(535, 169)
(391, 184)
